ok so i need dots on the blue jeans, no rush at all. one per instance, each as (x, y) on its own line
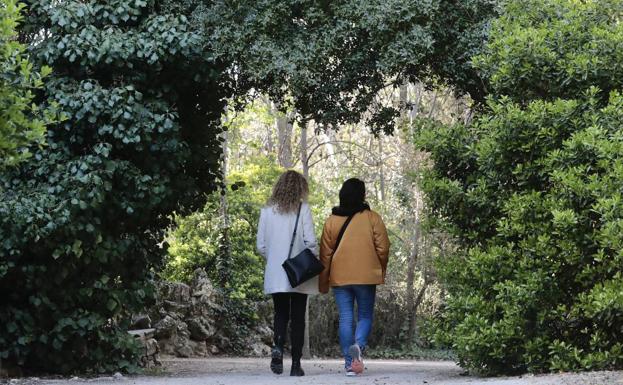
(345, 297)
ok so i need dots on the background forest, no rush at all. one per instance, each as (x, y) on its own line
(138, 140)
(260, 143)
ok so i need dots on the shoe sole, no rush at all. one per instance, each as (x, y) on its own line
(276, 362)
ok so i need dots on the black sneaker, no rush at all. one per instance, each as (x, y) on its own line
(276, 362)
(296, 370)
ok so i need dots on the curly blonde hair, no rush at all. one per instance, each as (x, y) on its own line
(291, 188)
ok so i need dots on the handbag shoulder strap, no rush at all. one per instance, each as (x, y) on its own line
(342, 230)
(339, 238)
(295, 226)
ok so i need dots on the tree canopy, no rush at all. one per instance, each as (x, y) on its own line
(531, 189)
(330, 59)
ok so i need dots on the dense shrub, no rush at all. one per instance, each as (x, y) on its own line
(554, 48)
(80, 222)
(22, 122)
(533, 191)
(197, 240)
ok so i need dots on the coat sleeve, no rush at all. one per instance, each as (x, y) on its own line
(381, 241)
(326, 251)
(309, 235)
(261, 234)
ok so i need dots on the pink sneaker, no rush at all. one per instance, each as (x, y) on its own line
(357, 364)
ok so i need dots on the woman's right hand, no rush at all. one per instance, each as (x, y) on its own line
(323, 288)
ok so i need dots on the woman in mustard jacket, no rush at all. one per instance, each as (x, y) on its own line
(353, 267)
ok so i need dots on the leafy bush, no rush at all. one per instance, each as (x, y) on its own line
(80, 222)
(223, 244)
(22, 122)
(411, 352)
(533, 191)
(197, 240)
(553, 48)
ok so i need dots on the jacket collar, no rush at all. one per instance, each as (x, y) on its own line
(348, 211)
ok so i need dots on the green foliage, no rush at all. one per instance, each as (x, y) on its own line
(81, 220)
(332, 58)
(537, 286)
(22, 122)
(412, 352)
(553, 48)
(196, 240)
(533, 191)
(223, 244)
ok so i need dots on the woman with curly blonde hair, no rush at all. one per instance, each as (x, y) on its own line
(286, 208)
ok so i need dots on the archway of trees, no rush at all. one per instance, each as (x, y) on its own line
(504, 164)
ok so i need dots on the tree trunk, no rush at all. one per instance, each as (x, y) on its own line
(420, 296)
(416, 305)
(433, 105)
(406, 117)
(284, 137)
(269, 145)
(332, 149)
(304, 160)
(223, 261)
(415, 242)
(381, 170)
(403, 99)
(415, 107)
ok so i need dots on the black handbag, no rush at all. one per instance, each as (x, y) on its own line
(304, 266)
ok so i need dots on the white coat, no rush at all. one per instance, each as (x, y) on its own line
(274, 234)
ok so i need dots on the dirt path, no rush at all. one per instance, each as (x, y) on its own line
(253, 371)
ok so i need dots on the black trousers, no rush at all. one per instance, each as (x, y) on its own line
(290, 307)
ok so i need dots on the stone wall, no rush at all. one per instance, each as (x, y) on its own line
(150, 348)
(186, 319)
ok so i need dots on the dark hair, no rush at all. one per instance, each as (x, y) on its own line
(352, 197)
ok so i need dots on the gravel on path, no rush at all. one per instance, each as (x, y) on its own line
(255, 371)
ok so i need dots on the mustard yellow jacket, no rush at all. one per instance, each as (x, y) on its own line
(361, 257)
